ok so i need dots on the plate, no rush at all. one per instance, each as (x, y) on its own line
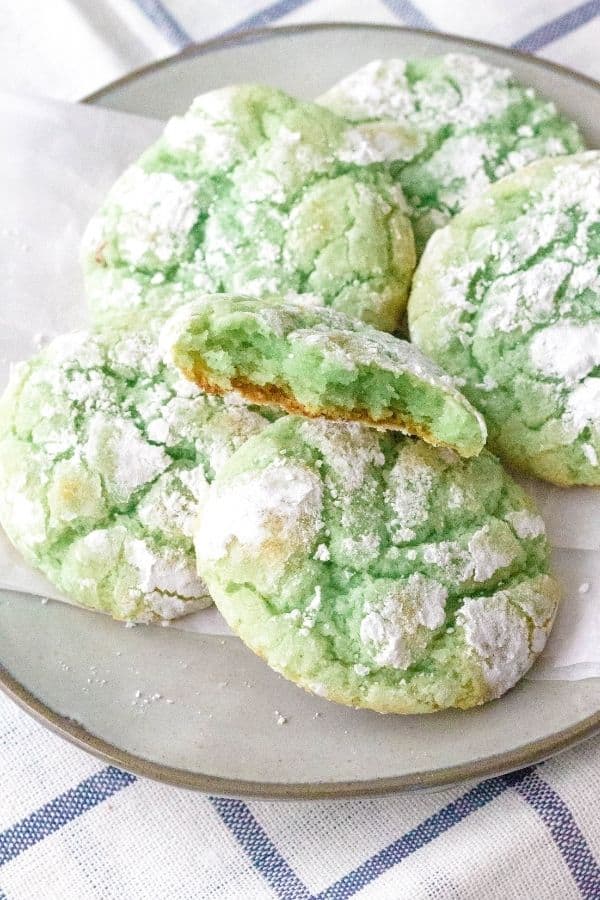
(202, 711)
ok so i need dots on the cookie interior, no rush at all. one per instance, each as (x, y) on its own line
(315, 363)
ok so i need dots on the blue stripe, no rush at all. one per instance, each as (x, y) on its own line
(410, 14)
(264, 855)
(269, 862)
(558, 27)
(422, 835)
(63, 809)
(266, 16)
(160, 16)
(274, 868)
(571, 843)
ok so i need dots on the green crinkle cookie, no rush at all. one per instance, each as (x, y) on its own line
(104, 456)
(319, 362)
(254, 192)
(473, 124)
(507, 298)
(375, 570)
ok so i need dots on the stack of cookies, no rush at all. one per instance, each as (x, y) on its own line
(246, 423)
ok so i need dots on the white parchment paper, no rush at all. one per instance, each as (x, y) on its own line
(57, 161)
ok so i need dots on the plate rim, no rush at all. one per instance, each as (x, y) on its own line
(489, 766)
(450, 776)
(250, 35)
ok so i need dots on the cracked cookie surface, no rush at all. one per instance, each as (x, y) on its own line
(375, 570)
(507, 298)
(319, 362)
(251, 191)
(473, 123)
(105, 454)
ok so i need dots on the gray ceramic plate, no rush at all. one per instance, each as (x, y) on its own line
(81, 674)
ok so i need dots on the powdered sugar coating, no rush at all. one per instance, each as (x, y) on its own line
(252, 191)
(566, 350)
(408, 493)
(105, 456)
(280, 507)
(472, 122)
(490, 555)
(490, 624)
(509, 292)
(526, 524)
(301, 541)
(157, 213)
(395, 628)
